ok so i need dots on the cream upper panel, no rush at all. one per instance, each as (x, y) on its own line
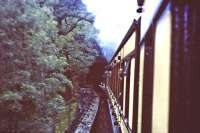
(121, 53)
(161, 93)
(130, 45)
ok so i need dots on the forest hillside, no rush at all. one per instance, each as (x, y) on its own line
(46, 49)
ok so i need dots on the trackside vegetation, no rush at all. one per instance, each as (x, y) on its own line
(46, 48)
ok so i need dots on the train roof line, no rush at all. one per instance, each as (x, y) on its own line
(125, 39)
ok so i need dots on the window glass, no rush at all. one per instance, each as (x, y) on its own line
(140, 89)
(130, 116)
(124, 96)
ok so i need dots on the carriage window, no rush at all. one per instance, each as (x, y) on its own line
(161, 74)
(131, 91)
(126, 87)
(140, 88)
(124, 91)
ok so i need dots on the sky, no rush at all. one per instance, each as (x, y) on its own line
(113, 19)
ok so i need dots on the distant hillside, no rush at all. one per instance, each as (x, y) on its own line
(108, 52)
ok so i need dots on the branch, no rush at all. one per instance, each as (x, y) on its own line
(70, 29)
(80, 18)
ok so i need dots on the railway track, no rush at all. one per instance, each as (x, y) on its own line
(88, 103)
(102, 123)
(93, 115)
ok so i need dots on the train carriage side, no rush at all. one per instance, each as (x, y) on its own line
(121, 80)
(151, 90)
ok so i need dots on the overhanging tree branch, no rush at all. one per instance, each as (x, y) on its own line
(85, 18)
(63, 32)
(73, 26)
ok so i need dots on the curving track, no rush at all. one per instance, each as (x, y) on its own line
(102, 123)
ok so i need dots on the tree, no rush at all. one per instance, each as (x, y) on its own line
(45, 49)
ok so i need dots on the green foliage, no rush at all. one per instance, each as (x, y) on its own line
(63, 79)
(10, 101)
(52, 62)
(46, 47)
(66, 116)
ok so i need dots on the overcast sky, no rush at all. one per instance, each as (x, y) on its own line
(113, 18)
